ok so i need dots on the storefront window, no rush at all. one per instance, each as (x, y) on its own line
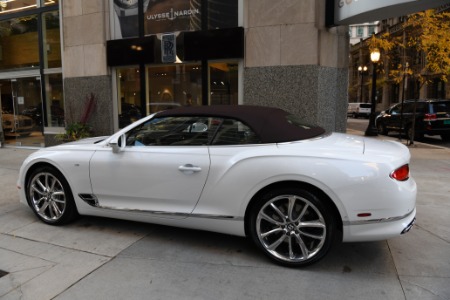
(174, 85)
(223, 83)
(22, 111)
(170, 16)
(54, 100)
(19, 34)
(128, 94)
(222, 14)
(9, 6)
(52, 40)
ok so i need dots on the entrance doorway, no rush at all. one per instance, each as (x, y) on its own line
(21, 108)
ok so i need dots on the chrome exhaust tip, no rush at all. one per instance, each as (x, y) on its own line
(408, 228)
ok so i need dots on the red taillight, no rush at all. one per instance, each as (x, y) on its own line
(430, 117)
(401, 174)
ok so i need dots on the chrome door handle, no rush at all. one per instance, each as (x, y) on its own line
(189, 169)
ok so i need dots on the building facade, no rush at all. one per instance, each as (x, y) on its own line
(113, 61)
(362, 31)
(388, 91)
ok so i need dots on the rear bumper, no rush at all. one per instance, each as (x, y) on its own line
(375, 230)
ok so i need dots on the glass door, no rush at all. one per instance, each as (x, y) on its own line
(22, 117)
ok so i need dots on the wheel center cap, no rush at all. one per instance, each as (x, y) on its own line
(290, 227)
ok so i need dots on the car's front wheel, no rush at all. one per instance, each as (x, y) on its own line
(292, 226)
(50, 197)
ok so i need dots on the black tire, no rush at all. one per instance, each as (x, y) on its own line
(274, 226)
(381, 128)
(50, 197)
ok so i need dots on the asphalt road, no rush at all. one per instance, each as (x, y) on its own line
(361, 125)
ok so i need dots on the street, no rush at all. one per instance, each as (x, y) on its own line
(361, 125)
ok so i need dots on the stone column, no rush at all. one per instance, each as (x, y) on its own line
(85, 32)
(294, 62)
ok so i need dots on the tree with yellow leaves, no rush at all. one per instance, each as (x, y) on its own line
(423, 51)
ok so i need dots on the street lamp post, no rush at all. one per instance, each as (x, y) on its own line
(371, 128)
(362, 71)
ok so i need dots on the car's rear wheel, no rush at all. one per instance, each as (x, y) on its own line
(292, 226)
(50, 197)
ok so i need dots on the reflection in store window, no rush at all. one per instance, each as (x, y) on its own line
(50, 2)
(54, 100)
(15, 6)
(223, 83)
(222, 14)
(19, 33)
(128, 94)
(172, 86)
(52, 40)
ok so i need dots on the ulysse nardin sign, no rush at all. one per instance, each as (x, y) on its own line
(360, 11)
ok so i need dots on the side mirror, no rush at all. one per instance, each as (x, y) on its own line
(118, 143)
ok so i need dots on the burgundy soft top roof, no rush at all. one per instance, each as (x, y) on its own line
(270, 124)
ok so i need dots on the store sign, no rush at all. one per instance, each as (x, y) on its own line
(171, 16)
(168, 48)
(360, 11)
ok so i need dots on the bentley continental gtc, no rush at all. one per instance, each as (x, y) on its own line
(252, 171)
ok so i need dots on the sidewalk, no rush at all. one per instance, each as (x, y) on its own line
(96, 258)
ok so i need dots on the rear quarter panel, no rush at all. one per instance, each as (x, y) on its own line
(354, 181)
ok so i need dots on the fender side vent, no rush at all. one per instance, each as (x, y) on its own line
(89, 199)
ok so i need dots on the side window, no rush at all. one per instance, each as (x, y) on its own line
(233, 132)
(409, 108)
(396, 109)
(174, 131)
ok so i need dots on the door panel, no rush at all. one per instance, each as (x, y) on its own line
(22, 111)
(167, 179)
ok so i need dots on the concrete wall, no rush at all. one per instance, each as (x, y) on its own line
(294, 62)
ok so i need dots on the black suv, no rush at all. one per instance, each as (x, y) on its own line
(432, 118)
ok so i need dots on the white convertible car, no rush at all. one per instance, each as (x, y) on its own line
(242, 170)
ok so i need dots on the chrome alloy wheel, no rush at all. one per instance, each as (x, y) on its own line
(47, 196)
(291, 228)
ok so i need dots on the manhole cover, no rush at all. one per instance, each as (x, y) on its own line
(3, 273)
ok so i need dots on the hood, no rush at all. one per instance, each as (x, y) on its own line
(80, 144)
(92, 140)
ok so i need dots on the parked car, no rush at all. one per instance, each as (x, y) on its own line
(357, 110)
(35, 113)
(252, 171)
(16, 125)
(432, 117)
